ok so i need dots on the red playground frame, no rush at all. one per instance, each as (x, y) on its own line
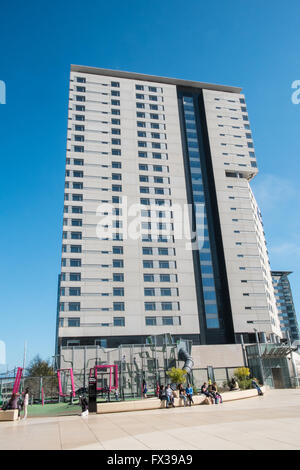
(113, 376)
(61, 394)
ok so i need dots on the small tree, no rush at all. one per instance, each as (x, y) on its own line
(243, 376)
(242, 373)
(40, 368)
(177, 375)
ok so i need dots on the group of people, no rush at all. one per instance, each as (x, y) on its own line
(211, 392)
(168, 394)
(16, 402)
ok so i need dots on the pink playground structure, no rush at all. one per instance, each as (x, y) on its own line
(61, 394)
(18, 380)
(113, 376)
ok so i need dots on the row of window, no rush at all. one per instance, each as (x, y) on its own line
(120, 306)
(119, 291)
(120, 321)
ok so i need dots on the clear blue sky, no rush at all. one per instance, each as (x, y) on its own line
(254, 45)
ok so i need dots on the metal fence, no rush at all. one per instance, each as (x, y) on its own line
(130, 382)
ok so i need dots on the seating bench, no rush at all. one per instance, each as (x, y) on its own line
(8, 415)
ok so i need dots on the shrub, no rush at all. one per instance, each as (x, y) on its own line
(242, 373)
(245, 384)
(177, 375)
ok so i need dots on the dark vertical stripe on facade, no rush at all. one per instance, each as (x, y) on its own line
(224, 334)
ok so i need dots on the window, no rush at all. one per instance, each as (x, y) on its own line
(116, 131)
(73, 322)
(147, 264)
(117, 250)
(79, 148)
(164, 264)
(116, 188)
(166, 306)
(78, 161)
(78, 174)
(77, 185)
(115, 121)
(163, 251)
(74, 291)
(74, 306)
(139, 87)
(118, 277)
(164, 278)
(165, 291)
(118, 263)
(76, 223)
(147, 251)
(116, 165)
(77, 197)
(150, 321)
(118, 291)
(115, 84)
(118, 306)
(149, 291)
(167, 320)
(116, 152)
(79, 107)
(80, 79)
(76, 210)
(75, 263)
(115, 93)
(150, 306)
(119, 321)
(116, 141)
(148, 277)
(75, 277)
(75, 248)
(115, 111)
(76, 235)
(79, 138)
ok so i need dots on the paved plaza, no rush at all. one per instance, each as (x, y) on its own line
(268, 422)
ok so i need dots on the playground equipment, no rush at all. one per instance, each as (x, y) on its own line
(63, 384)
(18, 380)
(106, 375)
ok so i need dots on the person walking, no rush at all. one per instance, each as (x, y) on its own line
(26, 402)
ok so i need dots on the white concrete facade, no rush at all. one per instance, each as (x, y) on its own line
(105, 161)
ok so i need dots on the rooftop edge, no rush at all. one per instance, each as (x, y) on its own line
(153, 78)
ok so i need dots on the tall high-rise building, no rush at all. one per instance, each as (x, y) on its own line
(285, 305)
(152, 162)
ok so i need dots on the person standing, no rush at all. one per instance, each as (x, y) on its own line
(26, 402)
(170, 396)
(144, 389)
